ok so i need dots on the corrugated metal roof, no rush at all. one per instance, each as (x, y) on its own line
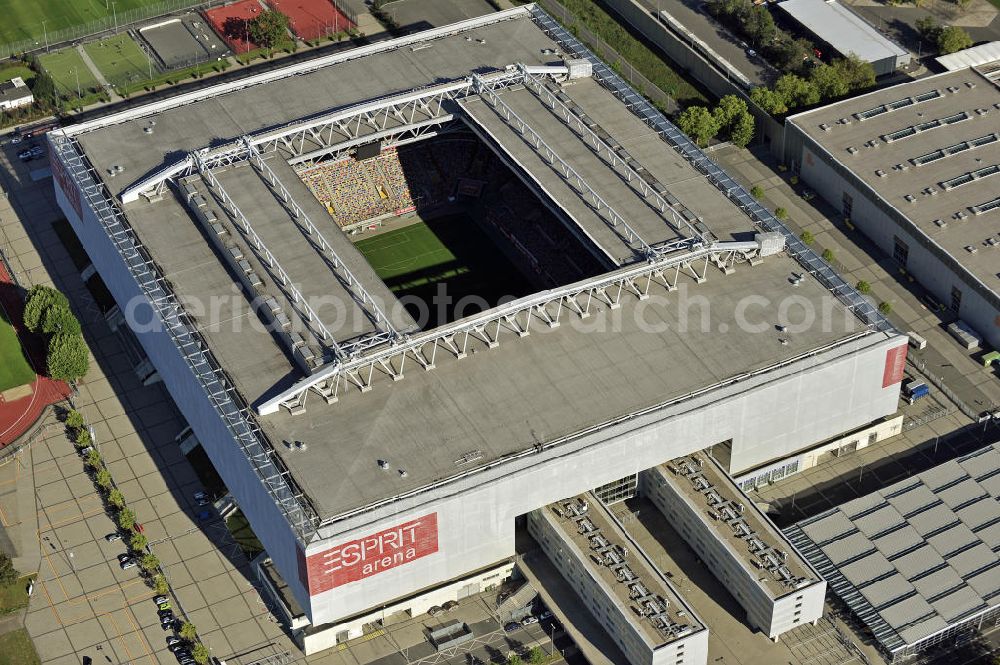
(843, 29)
(971, 57)
(939, 580)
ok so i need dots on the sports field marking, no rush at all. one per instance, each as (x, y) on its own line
(70, 73)
(403, 251)
(14, 367)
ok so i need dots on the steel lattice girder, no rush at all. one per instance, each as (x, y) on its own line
(516, 317)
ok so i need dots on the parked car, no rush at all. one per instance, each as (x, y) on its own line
(202, 498)
(16, 138)
(545, 615)
(450, 605)
(164, 606)
(512, 626)
(528, 620)
(175, 643)
(168, 613)
(126, 562)
(112, 537)
(161, 599)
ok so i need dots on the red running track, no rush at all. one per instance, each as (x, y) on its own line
(18, 416)
(231, 22)
(311, 19)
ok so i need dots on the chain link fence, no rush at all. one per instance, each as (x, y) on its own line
(939, 383)
(604, 51)
(116, 22)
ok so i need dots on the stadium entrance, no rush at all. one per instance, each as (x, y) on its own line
(449, 228)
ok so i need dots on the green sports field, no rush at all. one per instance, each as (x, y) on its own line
(23, 18)
(119, 59)
(14, 368)
(67, 69)
(450, 251)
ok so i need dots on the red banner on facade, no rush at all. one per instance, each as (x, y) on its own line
(371, 555)
(66, 184)
(895, 361)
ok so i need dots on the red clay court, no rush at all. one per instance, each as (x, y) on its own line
(311, 19)
(231, 21)
(18, 415)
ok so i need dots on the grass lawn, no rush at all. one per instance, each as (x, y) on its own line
(16, 649)
(14, 596)
(25, 72)
(120, 59)
(451, 251)
(23, 18)
(64, 67)
(14, 368)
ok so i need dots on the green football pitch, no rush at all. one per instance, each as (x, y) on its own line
(14, 368)
(450, 251)
(23, 19)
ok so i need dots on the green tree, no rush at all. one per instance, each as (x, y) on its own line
(137, 542)
(514, 659)
(94, 459)
(728, 109)
(83, 438)
(116, 498)
(698, 123)
(885, 307)
(68, 358)
(160, 585)
(827, 255)
(928, 28)
(74, 419)
(757, 192)
(781, 214)
(859, 74)
(829, 81)
(200, 653)
(104, 478)
(43, 87)
(742, 130)
(8, 573)
(536, 656)
(126, 519)
(149, 562)
(769, 100)
(863, 287)
(269, 28)
(953, 38)
(39, 299)
(796, 91)
(807, 238)
(60, 319)
(759, 25)
(188, 631)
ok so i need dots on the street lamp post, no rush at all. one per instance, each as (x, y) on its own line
(114, 13)
(46, 34)
(71, 565)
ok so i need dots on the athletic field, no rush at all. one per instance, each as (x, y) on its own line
(67, 69)
(120, 59)
(14, 368)
(452, 252)
(23, 18)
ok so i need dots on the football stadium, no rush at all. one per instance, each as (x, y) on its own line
(421, 296)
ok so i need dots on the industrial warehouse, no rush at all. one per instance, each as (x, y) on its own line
(914, 167)
(269, 238)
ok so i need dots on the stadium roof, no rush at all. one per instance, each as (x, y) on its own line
(560, 380)
(918, 557)
(844, 30)
(931, 149)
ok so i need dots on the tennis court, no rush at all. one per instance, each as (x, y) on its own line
(311, 19)
(233, 23)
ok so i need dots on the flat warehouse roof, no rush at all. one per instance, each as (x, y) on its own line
(931, 149)
(917, 557)
(838, 26)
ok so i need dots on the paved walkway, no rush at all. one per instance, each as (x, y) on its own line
(857, 259)
(92, 66)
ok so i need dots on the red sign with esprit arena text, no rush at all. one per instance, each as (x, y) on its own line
(895, 362)
(357, 559)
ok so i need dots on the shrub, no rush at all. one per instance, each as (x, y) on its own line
(885, 307)
(200, 653)
(514, 659)
(536, 656)
(68, 357)
(827, 255)
(807, 237)
(83, 438)
(160, 585)
(188, 631)
(781, 214)
(863, 287)
(74, 419)
(757, 192)
(116, 498)
(138, 542)
(8, 573)
(93, 459)
(126, 519)
(104, 478)
(58, 318)
(149, 562)
(794, 179)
